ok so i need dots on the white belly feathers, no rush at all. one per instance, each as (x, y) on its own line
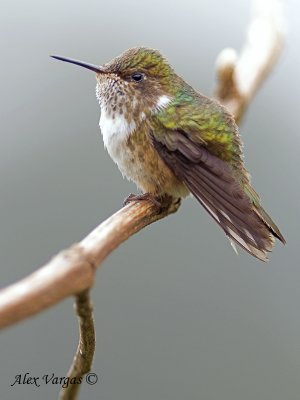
(115, 132)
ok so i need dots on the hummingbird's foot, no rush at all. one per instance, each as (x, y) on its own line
(145, 196)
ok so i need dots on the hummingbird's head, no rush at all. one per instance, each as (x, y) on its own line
(139, 81)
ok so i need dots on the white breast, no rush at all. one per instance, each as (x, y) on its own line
(114, 129)
(115, 132)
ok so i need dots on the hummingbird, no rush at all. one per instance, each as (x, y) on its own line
(173, 141)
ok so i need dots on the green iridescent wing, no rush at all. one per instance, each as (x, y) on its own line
(204, 121)
(200, 143)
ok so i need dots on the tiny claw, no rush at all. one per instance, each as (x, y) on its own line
(144, 196)
(128, 199)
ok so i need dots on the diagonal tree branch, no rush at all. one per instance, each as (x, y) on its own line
(73, 270)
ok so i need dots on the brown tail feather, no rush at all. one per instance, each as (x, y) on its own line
(216, 186)
(270, 223)
(254, 242)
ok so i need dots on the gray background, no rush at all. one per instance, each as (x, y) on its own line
(178, 314)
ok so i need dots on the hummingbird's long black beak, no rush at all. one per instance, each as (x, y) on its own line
(92, 67)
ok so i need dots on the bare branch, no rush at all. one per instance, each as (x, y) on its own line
(239, 77)
(86, 347)
(73, 270)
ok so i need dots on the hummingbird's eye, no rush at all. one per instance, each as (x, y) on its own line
(137, 77)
